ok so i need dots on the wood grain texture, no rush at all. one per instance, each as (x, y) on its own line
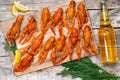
(6, 72)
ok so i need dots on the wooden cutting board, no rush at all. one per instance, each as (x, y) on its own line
(35, 65)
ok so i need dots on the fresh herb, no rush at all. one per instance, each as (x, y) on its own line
(87, 70)
(9, 47)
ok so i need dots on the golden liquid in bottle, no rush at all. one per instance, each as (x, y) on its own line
(108, 48)
(107, 39)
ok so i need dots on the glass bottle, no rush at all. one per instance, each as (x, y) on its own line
(107, 39)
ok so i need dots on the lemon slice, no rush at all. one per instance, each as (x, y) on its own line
(14, 10)
(20, 6)
(17, 57)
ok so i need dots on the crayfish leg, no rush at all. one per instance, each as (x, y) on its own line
(28, 37)
(65, 22)
(69, 47)
(52, 29)
(45, 29)
(60, 28)
(52, 56)
(17, 32)
(37, 50)
(25, 50)
(62, 58)
(85, 48)
(80, 25)
(72, 22)
(42, 56)
(93, 48)
(9, 38)
(23, 34)
(78, 50)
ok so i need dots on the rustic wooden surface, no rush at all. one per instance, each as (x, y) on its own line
(50, 73)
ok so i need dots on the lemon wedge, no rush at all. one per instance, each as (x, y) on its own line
(14, 10)
(17, 57)
(20, 6)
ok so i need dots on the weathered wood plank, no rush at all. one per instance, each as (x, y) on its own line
(32, 7)
(49, 74)
(37, 3)
(95, 4)
(5, 2)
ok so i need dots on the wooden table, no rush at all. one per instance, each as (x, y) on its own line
(50, 73)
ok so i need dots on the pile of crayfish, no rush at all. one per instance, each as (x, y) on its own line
(59, 48)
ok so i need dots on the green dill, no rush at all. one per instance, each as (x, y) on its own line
(9, 47)
(87, 70)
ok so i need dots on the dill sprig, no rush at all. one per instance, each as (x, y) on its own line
(9, 47)
(87, 70)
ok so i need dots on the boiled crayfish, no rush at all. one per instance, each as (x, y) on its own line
(45, 17)
(56, 18)
(87, 41)
(50, 43)
(35, 45)
(24, 63)
(74, 41)
(14, 31)
(81, 15)
(59, 52)
(31, 51)
(56, 54)
(28, 31)
(69, 18)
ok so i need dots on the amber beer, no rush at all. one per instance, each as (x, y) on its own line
(107, 39)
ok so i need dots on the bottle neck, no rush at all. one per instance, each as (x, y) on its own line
(104, 15)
